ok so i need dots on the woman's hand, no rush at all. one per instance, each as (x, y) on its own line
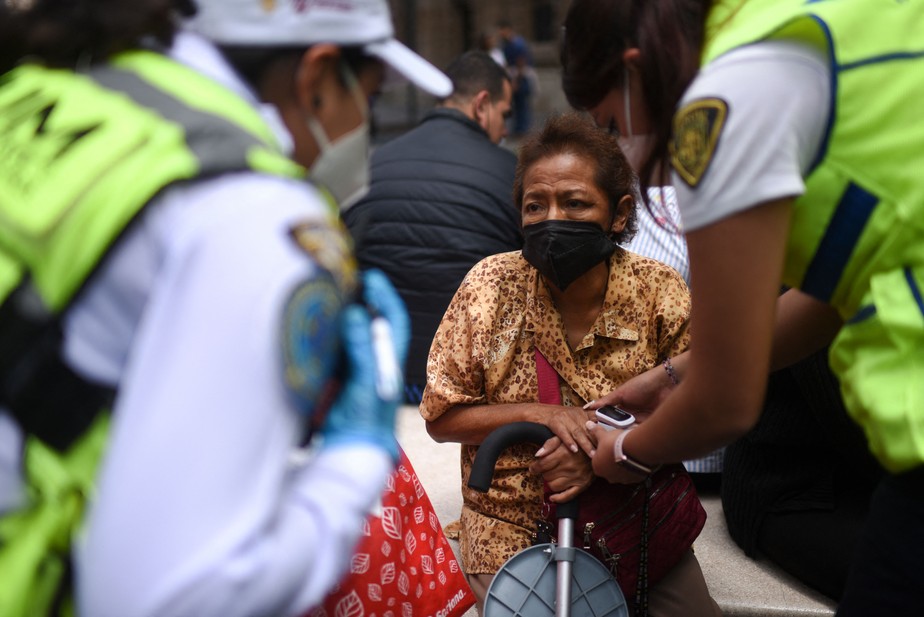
(563, 461)
(567, 473)
(604, 459)
(641, 395)
(568, 425)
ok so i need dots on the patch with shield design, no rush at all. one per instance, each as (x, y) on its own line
(697, 128)
(311, 343)
(329, 245)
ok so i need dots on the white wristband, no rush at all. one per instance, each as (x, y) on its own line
(630, 463)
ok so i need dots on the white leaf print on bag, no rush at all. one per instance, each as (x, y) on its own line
(350, 606)
(404, 583)
(388, 573)
(375, 592)
(360, 563)
(391, 522)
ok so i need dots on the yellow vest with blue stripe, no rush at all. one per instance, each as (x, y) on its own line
(81, 154)
(857, 235)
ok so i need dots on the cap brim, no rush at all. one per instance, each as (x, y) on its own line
(413, 67)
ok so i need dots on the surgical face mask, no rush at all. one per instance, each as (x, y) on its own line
(343, 165)
(636, 149)
(563, 251)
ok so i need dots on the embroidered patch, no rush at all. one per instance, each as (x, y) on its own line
(697, 128)
(310, 341)
(330, 247)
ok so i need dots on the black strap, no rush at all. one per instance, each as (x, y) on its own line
(641, 584)
(58, 406)
(45, 396)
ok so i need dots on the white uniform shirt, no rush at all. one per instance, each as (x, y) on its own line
(200, 510)
(778, 96)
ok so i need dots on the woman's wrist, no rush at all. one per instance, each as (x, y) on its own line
(626, 460)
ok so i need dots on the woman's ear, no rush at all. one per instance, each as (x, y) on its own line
(621, 217)
(316, 68)
(631, 58)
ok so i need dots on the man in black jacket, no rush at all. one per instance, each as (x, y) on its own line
(440, 201)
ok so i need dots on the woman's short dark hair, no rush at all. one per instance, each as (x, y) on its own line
(65, 33)
(668, 33)
(575, 133)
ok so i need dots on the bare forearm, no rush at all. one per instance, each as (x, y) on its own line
(803, 326)
(688, 426)
(470, 424)
(723, 377)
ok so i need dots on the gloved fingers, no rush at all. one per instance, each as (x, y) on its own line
(355, 332)
(380, 295)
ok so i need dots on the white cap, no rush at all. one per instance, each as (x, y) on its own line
(347, 23)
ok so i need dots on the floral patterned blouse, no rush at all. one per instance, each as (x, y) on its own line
(483, 353)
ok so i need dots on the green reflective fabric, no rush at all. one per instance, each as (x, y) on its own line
(81, 154)
(35, 540)
(857, 234)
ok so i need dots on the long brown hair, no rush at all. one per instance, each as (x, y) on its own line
(668, 33)
(65, 33)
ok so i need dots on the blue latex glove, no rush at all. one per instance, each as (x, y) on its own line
(365, 409)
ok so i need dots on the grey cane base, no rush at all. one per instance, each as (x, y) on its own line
(525, 587)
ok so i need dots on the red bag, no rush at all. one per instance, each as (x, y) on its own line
(638, 546)
(403, 565)
(640, 531)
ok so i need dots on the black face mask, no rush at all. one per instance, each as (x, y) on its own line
(562, 251)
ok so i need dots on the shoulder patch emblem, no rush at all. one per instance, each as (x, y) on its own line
(329, 245)
(310, 341)
(697, 128)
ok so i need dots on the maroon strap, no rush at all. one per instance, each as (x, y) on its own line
(549, 391)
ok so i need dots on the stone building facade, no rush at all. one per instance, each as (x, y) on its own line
(439, 30)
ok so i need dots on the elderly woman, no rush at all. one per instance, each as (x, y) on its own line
(598, 314)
